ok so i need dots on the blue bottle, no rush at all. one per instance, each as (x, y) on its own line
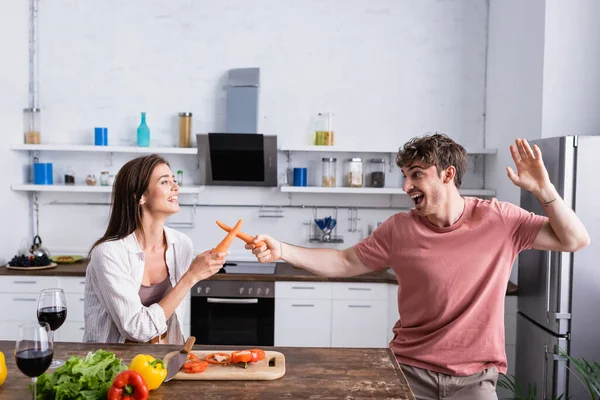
(143, 133)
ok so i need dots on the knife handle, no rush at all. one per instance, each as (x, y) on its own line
(189, 343)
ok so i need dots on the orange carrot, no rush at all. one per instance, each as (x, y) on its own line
(226, 242)
(244, 236)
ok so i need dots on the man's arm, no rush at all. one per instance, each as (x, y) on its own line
(331, 263)
(564, 231)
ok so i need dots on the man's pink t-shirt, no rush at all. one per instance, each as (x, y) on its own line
(452, 283)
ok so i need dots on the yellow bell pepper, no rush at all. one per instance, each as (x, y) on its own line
(152, 370)
(3, 370)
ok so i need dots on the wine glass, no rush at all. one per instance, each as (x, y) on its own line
(52, 309)
(34, 350)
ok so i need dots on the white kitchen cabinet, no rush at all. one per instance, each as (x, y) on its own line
(9, 330)
(27, 284)
(393, 314)
(359, 314)
(19, 295)
(303, 290)
(359, 323)
(70, 331)
(359, 290)
(303, 322)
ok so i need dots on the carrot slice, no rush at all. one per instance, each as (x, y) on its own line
(241, 235)
(193, 367)
(226, 242)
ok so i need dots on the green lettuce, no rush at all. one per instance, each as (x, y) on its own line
(80, 378)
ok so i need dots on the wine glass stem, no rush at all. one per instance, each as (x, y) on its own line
(34, 381)
(51, 338)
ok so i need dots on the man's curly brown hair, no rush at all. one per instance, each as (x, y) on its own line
(435, 149)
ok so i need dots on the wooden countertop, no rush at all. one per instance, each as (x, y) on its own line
(324, 373)
(283, 272)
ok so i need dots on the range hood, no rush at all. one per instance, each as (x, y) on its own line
(240, 156)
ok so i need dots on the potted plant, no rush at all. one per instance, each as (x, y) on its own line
(587, 372)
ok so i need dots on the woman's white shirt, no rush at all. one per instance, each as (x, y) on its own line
(113, 310)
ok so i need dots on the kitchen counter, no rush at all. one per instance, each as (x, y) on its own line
(324, 373)
(283, 272)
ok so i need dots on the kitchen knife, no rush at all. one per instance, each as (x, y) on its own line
(177, 361)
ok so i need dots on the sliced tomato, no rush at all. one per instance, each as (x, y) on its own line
(218, 358)
(192, 357)
(257, 354)
(243, 356)
(194, 367)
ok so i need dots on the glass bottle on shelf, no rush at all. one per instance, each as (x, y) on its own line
(180, 178)
(90, 180)
(31, 125)
(185, 129)
(324, 130)
(329, 172)
(143, 133)
(377, 172)
(354, 172)
(104, 178)
(69, 176)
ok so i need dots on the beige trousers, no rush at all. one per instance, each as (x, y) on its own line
(429, 385)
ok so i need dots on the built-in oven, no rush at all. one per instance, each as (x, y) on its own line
(230, 312)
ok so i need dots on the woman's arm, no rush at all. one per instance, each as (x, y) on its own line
(202, 267)
(118, 292)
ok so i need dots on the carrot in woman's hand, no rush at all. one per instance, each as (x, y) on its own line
(244, 236)
(226, 242)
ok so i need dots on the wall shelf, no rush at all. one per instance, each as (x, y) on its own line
(349, 190)
(336, 149)
(106, 149)
(87, 189)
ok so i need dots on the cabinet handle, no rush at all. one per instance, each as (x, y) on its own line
(304, 287)
(23, 299)
(358, 306)
(82, 282)
(26, 282)
(363, 289)
(303, 305)
(82, 329)
(81, 299)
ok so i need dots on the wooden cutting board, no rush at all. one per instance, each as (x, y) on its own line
(272, 367)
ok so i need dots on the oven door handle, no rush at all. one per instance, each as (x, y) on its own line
(231, 301)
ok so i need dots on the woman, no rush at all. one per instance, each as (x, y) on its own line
(140, 270)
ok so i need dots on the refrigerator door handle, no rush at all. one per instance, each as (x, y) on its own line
(550, 315)
(545, 365)
(548, 284)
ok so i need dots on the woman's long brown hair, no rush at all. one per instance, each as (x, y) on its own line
(131, 183)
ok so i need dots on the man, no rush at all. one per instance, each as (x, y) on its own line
(452, 256)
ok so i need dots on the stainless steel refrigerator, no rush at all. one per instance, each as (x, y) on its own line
(559, 293)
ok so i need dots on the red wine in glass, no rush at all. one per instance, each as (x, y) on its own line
(54, 316)
(33, 362)
(52, 309)
(34, 351)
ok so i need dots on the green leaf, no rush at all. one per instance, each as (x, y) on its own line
(87, 378)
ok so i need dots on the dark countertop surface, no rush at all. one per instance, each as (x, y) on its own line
(283, 272)
(311, 373)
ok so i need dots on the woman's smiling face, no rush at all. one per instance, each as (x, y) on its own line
(163, 192)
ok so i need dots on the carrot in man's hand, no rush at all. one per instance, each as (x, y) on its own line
(226, 242)
(244, 236)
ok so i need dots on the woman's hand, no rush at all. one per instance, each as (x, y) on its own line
(269, 252)
(206, 265)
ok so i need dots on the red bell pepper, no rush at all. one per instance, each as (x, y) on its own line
(128, 385)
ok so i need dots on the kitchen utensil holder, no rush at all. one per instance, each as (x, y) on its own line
(317, 235)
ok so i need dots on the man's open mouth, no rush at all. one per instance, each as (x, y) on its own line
(417, 198)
